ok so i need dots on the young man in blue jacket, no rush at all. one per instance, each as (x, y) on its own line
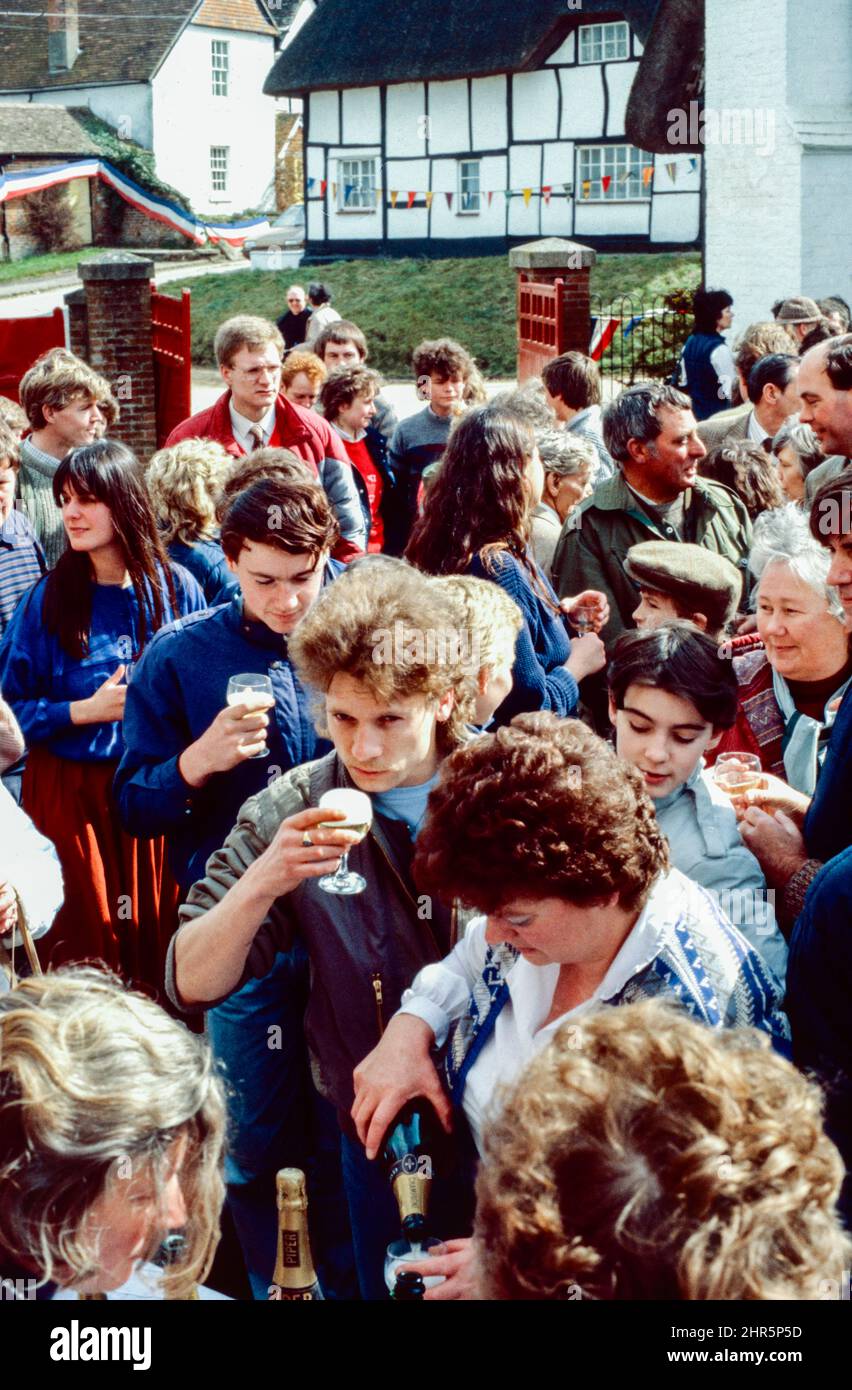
(190, 762)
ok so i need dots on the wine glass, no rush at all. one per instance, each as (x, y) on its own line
(583, 618)
(358, 809)
(737, 773)
(255, 692)
(400, 1253)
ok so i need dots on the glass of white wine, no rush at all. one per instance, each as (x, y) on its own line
(254, 691)
(358, 809)
(400, 1253)
(738, 773)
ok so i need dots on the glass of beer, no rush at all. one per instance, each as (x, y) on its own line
(255, 692)
(358, 809)
(738, 773)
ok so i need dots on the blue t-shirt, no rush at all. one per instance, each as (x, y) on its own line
(407, 804)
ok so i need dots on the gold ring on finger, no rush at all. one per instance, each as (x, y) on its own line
(306, 840)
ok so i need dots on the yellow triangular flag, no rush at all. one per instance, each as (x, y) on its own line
(671, 170)
(429, 197)
(334, 190)
(527, 195)
(394, 196)
(587, 188)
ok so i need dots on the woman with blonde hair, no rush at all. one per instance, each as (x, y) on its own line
(111, 1135)
(641, 1156)
(184, 484)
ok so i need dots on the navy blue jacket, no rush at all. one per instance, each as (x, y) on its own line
(206, 561)
(702, 381)
(177, 690)
(828, 825)
(819, 989)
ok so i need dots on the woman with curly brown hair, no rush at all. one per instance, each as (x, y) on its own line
(543, 828)
(639, 1158)
(477, 520)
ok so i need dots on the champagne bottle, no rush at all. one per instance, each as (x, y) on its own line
(409, 1286)
(408, 1151)
(295, 1277)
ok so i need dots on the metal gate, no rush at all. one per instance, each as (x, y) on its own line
(541, 333)
(635, 339)
(171, 341)
(24, 340)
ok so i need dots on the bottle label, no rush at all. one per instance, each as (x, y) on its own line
(275, 1294)
(290, 1249)
(419, 1165)
(411, 1189)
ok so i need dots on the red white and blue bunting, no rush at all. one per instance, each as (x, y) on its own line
(23, 181)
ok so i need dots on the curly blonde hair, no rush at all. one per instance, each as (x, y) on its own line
(184, 483)
(644, 1156)
(300, 360)
(93, 1077)
(386, 625)
(488, 613)
(542, 808)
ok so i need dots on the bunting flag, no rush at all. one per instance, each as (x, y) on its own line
(347, 190)
(311, 183)
(333, 191)
(625, 174)
(671, 170)
(411, 196)
(449, 198)
(587, 187)
(603, 332)
(693, 164)
(323, 187)
(647, 174)
(394, 194)
(429, 197)
(606, 181)
(527, 195)
(629, 327)
(490, 195)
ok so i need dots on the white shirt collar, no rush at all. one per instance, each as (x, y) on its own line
(242, 427)
(756, 432)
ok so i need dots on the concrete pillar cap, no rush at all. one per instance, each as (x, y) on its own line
(116, 265)
(551, 253)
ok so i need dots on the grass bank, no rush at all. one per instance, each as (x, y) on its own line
(399, 302)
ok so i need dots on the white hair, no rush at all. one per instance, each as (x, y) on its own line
(781, 536)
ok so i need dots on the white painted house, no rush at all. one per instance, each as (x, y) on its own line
(459, 129)
(183, 78)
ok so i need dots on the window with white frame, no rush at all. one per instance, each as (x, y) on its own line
(470, 198)
(219, 168)
(219, 65)
(356, 185)
(602, 43)
(612, 173)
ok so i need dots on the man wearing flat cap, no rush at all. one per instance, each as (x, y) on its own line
(798, 315)
(679, 580)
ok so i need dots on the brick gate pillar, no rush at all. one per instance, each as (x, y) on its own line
(552, 259)
(118, 322)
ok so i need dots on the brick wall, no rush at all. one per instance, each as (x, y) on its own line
(289, 168)
(19, 238)
(118, 336)
(116, 223)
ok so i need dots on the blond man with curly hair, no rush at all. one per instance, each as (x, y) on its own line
(543, 830)
(184, 484)
(639, 1157)
(111, 1135)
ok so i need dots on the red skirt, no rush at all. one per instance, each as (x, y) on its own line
(120, 898)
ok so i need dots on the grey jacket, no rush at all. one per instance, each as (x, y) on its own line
(834, 465)
(364, 950)
(35, 491)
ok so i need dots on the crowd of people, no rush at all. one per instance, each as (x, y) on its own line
(591, 665)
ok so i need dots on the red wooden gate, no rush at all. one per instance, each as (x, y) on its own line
(541, 334)
(22, 341)
(171, 339)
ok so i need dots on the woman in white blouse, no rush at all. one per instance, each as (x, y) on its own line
(543, 828)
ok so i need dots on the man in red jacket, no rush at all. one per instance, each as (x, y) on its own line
(253, 414)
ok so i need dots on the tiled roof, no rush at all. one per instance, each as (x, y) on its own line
(49, 130)
(246, 15)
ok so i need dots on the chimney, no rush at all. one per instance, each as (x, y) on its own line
(63, 35)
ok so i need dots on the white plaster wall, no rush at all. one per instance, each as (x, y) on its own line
(535, 105)
(610, 219)
(362, 117)
(565, 52)
(488, 102)
(619, 79)
(489, 221)
(323, 117)
(753, 232)
(188, 119)
(316, 224)
(406, 126)
(449, 126)
(826, 263)
(819, 54)
(582, 102)
(559, 163)
(675, 217)
(126, 106)
(412, 174)
(316, 162)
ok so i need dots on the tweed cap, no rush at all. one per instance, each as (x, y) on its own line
(700, 580)
(798, 309)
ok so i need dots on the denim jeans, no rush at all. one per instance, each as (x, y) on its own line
(277, 1120)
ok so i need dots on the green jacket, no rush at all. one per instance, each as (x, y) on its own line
(599, 532)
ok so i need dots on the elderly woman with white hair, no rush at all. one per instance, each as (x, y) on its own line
(798, 453)
(569, 462)
(790, 690)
